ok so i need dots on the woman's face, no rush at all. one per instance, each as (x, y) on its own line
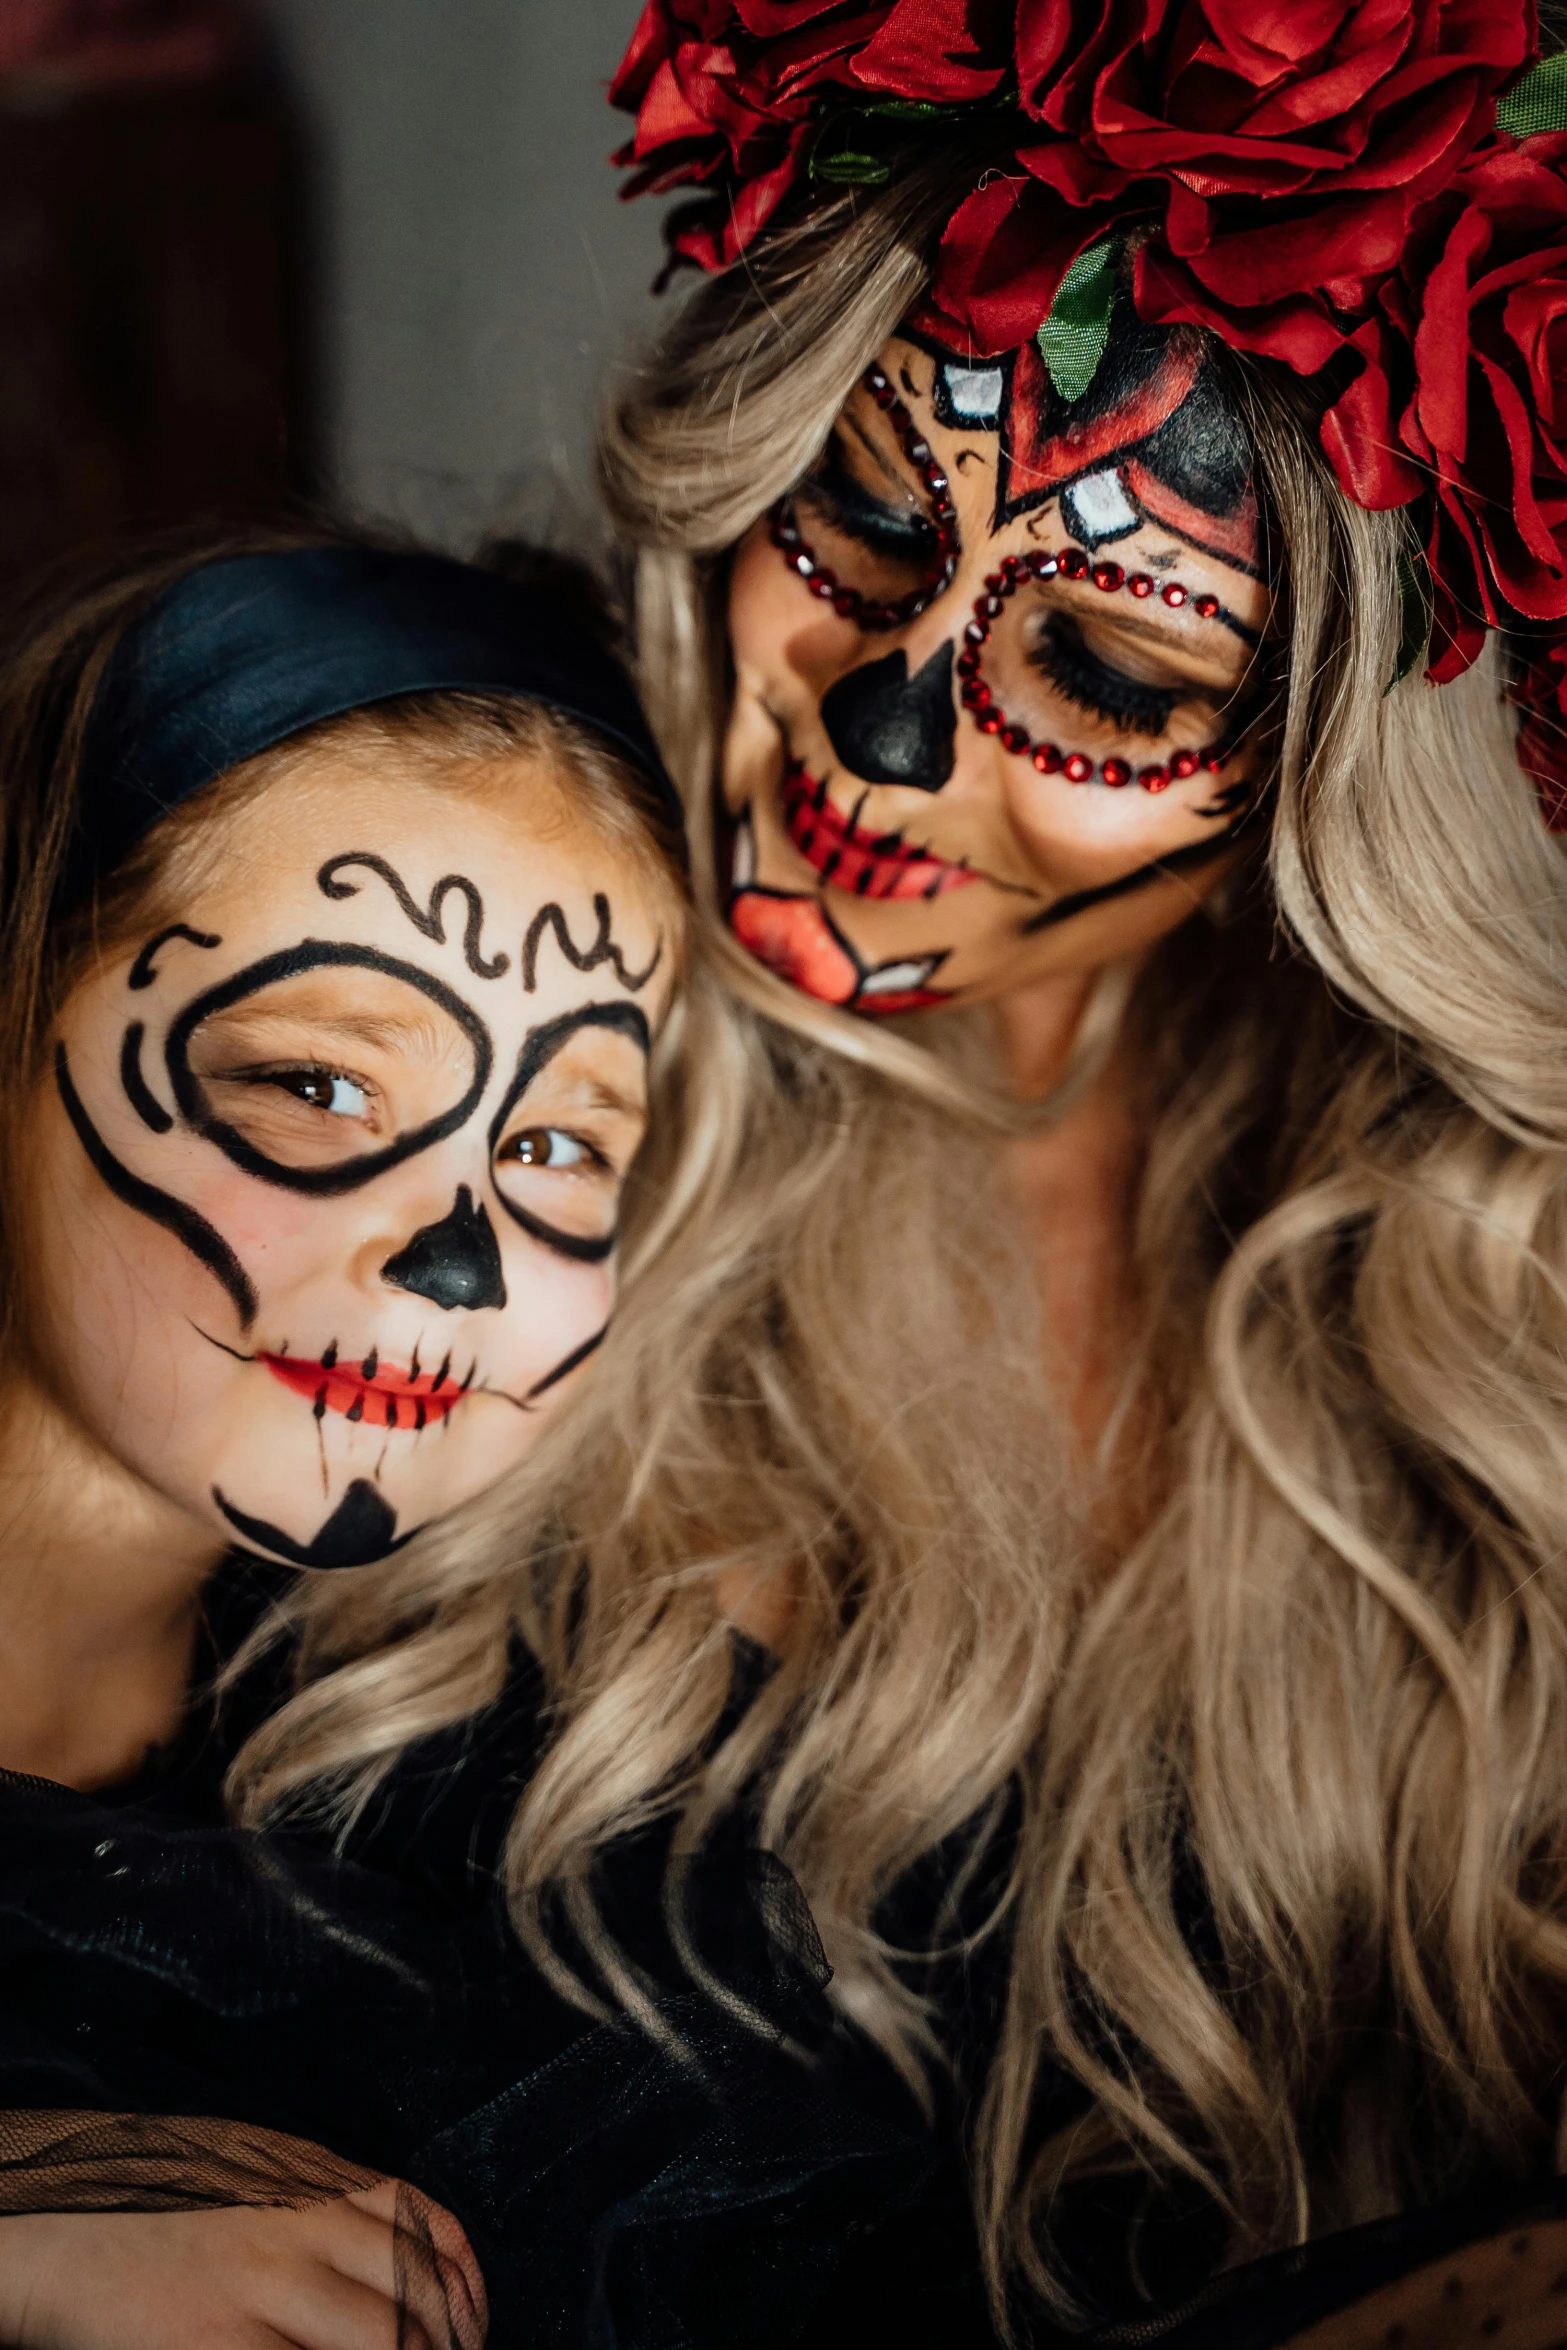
(327, 1173)
(919, 815)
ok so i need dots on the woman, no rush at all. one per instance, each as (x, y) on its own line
(1135, 515)
(345, 914)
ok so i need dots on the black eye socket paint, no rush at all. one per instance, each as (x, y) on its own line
(344, 1174)
(142, 1099)
(361, 1529)
(208, 1247)
(539, 1048)
(142, 973)
(428, 921)
(602, 950)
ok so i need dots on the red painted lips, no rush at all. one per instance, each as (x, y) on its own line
(386, 1397)
(849, 856)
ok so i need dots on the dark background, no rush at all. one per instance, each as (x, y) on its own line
(360, 253)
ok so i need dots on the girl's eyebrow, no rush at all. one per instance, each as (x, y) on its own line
(377, 1028)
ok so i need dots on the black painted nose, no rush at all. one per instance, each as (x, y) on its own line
(889, 727)
(453, 1263)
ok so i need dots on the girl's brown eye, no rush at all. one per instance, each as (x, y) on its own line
(544, 1146)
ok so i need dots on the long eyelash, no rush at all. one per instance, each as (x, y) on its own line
(1081, 677)
(847, 503)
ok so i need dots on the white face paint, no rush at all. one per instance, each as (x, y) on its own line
(329, 1173)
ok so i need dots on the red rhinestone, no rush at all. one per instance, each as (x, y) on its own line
(995, 582)
(1043, 566)
(990, 722)
(1073, 563)
(825, 583)
(872, 615)
(913, 606)
(882, 392)
(1117, 773)
(1108, 577)
(1015, 567)
(976, 694)
(1214, 760)
(1154, 778)
(976, 633)
(1077, 767)
(1174, 594)
(988, 607)
(919, 450)
(1185, 763)
(1140, 584)
(936, 481)
(846, 602)
(1207, 607)
(1046, 758)
(803, 563)
(1015, 737)
(967, 663)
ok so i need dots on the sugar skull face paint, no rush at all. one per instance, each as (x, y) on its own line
(1000, 660)
(330, 1167)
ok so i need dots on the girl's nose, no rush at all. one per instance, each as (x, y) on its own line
(456, 1262)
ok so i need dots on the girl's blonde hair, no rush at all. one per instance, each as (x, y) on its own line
(1288, 1886)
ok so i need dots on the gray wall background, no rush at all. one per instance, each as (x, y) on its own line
(475, 274)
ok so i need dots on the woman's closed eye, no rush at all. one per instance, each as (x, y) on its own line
(902, 531)
(1080, 675)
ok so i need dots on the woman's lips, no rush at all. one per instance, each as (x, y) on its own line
(848, 856)
(385, 1397)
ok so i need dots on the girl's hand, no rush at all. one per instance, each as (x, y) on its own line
(325, 2278)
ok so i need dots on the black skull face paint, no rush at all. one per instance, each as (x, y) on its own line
(332, 1182)
(1003, 671)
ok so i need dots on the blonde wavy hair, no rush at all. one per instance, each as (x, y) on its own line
(1325, 1683)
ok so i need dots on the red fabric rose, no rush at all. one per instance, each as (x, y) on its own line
(726, 95)
(1541, 694)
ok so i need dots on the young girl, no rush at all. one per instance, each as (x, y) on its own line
(343, 914)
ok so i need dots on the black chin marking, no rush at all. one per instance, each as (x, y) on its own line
(1178, 861)
(142, 973)
(361, 1529)
(429, 922)
(888, 727)
(456, 1262)
(601, 950)
(138, 1093)
(208, 1247)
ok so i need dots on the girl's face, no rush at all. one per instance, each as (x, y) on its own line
(1043, 768)
(328, 1171)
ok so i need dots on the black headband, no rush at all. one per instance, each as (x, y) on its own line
(247, 651)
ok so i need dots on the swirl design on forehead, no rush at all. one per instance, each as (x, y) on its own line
(427, 920)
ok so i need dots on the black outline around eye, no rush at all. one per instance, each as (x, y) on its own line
(138, 1092)
(539, 1048)
(904, 535)
(344, 1174)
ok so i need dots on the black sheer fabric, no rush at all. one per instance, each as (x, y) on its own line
(192, 2015)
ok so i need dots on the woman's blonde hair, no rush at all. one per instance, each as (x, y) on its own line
(1285, 1882)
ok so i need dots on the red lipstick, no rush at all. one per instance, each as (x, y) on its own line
(849, 856)
(372, 1391)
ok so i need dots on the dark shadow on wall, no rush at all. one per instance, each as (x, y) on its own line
(151, 368)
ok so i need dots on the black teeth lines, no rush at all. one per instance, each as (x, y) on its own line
(370, 1365)
(439, 1381)
(356, 1411)
(319, 1406)
(413, 1368)
(420, 1414)
(329, 1357)
(468, 1382)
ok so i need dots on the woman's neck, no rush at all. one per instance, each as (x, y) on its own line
(99, 1583)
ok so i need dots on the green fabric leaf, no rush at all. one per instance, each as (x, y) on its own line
(851, 169)
(1416, 605)
(1538, 102)
(1073, 338)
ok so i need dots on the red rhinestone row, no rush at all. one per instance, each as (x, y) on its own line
(1076, 766)
(851, 603)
